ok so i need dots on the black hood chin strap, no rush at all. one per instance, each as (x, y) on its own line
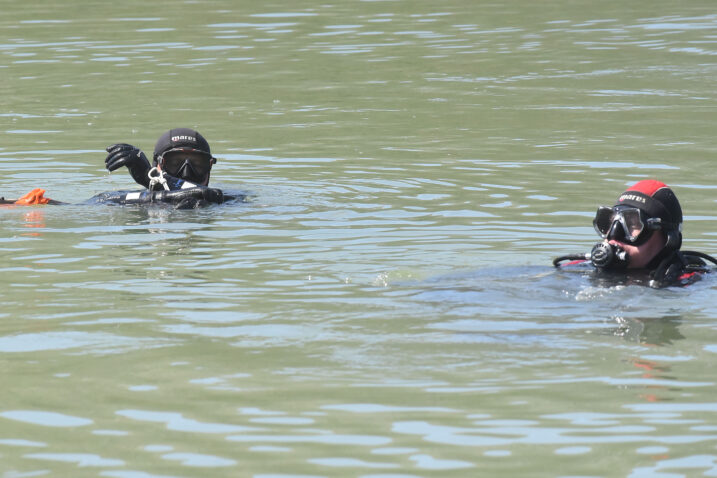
(668, 252)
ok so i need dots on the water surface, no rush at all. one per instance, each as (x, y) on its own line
(384, 306)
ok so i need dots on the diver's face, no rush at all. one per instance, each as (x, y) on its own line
(190, 165)
(641, 255)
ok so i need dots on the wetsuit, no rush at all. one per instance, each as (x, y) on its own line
(180, 198)
(680, 268)
(186, 195)
(169, 190)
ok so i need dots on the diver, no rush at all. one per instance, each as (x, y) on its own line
(642, 237)
(179, 174)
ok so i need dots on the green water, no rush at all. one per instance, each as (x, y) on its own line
(384, 306)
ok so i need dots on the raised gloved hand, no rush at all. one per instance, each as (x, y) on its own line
(123, 154)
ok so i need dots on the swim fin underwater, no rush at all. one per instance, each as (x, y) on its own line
(34, 197)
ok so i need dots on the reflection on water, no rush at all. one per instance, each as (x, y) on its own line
(649, 330)
(384, 305)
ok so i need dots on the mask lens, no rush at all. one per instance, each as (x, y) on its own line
(632, 222)
(172, 161)
(603, 220)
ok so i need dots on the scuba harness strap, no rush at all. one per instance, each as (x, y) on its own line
(679, 264)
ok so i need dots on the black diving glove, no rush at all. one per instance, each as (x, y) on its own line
(123, 154)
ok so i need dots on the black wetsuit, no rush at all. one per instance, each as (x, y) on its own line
(680, 268)
(189, 198)
(177, 192)
(181, 195)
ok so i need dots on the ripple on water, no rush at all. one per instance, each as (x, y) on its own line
(47, 419)
(350, 463)
(327, 439)
(80, 459)
(177, 422)
(428, 462)
(199, 460)
(378, 408)
(88, 342)
(283, 420)
(20, 442)
(708, 463)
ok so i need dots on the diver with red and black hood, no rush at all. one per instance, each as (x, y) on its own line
(179, 173)
(642, 235)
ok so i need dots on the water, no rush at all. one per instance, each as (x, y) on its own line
(384, 306)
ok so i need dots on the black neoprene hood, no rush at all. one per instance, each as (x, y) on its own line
(181, 138)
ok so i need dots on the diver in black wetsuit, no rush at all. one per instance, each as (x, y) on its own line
(642, 236)
(179, 174)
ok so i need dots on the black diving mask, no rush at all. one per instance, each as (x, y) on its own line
(624, 223)
(188, 164)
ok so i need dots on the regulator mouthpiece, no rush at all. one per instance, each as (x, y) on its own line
(608, 256)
